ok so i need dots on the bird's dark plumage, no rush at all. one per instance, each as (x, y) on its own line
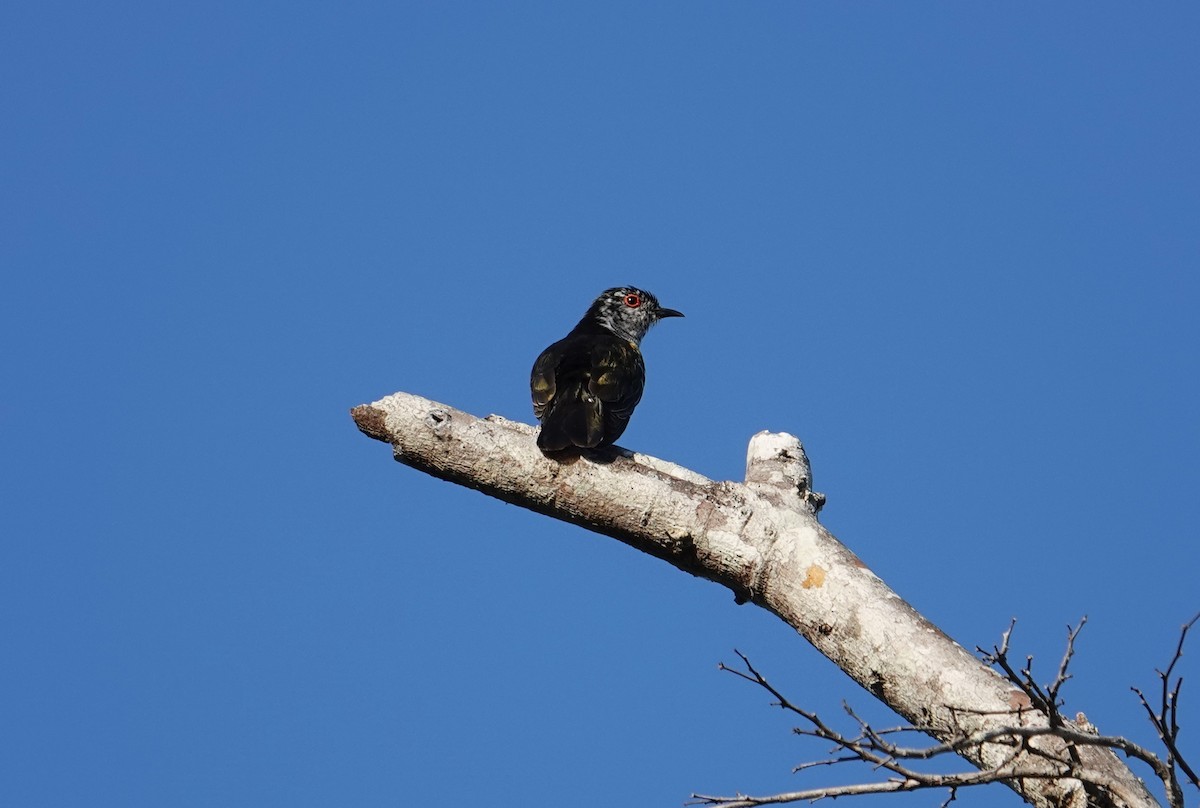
(586, 385)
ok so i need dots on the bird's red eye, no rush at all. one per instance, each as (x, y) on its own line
(633, 301)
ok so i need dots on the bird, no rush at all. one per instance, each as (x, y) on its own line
(585, 386)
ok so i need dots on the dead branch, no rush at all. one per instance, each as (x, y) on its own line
(1024, 742)
(1166, 723)
(760, 538)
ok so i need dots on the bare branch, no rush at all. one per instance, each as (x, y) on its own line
(760, 539)
(1166, 724)
(874, 747)
(949, 781)
(1052, 690)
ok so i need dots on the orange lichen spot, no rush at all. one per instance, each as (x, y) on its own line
(815, 577)
(1018, 701)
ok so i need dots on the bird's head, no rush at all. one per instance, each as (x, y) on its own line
(628, 312)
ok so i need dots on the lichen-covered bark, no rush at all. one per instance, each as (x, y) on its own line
(762, 540)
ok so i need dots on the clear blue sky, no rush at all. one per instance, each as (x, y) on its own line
(953, 247)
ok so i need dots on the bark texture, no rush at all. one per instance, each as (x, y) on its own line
(761, 539)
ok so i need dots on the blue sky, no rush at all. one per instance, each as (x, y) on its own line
(952, 247)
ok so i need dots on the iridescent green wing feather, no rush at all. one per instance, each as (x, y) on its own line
(618, 377)
(542, 381)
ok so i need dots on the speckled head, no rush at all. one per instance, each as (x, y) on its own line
(628, 312)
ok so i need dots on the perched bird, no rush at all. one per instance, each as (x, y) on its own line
(586, 385)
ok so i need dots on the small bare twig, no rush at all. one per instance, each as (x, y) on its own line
(1043, 697)
(1023, 760)
(1166, 721)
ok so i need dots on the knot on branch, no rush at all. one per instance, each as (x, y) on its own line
(778, 469)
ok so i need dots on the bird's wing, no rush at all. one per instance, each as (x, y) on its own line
(618, 377)
(618, 373)
(542, 381)
(565, 359)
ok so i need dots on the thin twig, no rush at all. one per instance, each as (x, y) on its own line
(1166, 722)
(1022, 760)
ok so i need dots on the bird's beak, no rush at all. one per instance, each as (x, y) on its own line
(668, 313)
